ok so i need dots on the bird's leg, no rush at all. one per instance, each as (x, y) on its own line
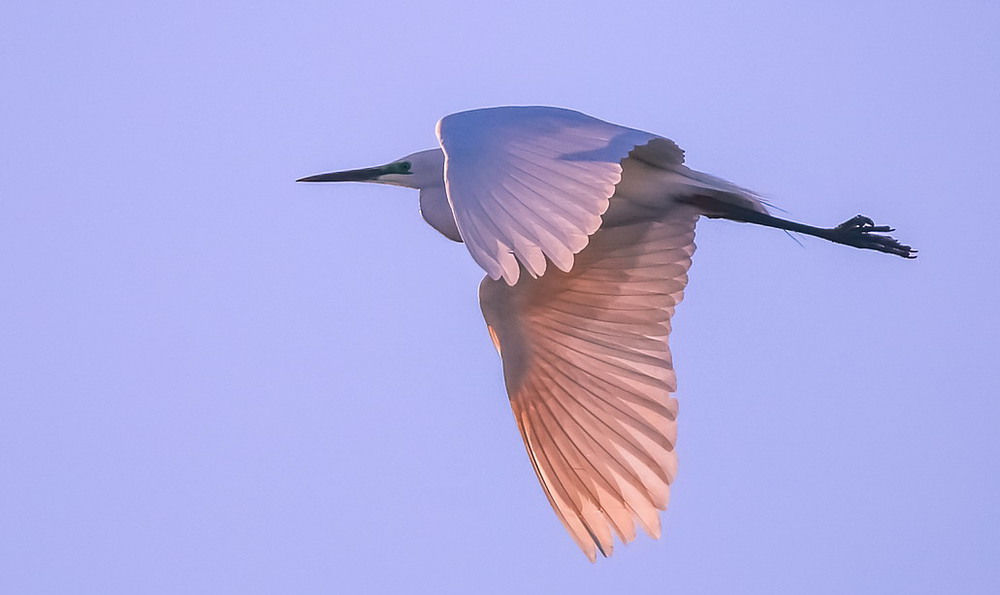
(858, 231)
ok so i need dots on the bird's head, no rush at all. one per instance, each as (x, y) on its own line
(424, 169)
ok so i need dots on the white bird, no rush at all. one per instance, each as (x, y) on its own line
(585, 230)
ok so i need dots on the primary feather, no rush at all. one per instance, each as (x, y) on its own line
(589, 375)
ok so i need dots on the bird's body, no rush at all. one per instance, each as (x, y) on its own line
(585, 230)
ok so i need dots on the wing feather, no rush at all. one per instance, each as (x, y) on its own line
(578, 435)
(589, 375)
(528, 185)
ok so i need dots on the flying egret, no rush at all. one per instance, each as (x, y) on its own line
(585, 230)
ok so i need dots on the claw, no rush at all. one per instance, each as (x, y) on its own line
(856, 222)
(861, 232)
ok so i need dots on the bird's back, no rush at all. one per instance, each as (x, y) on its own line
(654, 181)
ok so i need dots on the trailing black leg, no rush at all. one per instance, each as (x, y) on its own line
(858, 231)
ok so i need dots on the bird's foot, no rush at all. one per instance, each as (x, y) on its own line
(861, 232)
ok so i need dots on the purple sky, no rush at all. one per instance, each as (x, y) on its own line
(213, 380)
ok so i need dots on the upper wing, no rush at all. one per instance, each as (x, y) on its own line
(526, 183)
(589, 375)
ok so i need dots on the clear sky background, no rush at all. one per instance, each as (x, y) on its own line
(213, 380)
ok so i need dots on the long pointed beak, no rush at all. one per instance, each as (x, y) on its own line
(355, 175)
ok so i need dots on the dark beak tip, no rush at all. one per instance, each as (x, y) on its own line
(316, 178)
(367, 174)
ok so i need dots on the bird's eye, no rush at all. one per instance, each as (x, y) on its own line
(404, 167)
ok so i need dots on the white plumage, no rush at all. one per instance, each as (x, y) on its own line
(584, 341)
